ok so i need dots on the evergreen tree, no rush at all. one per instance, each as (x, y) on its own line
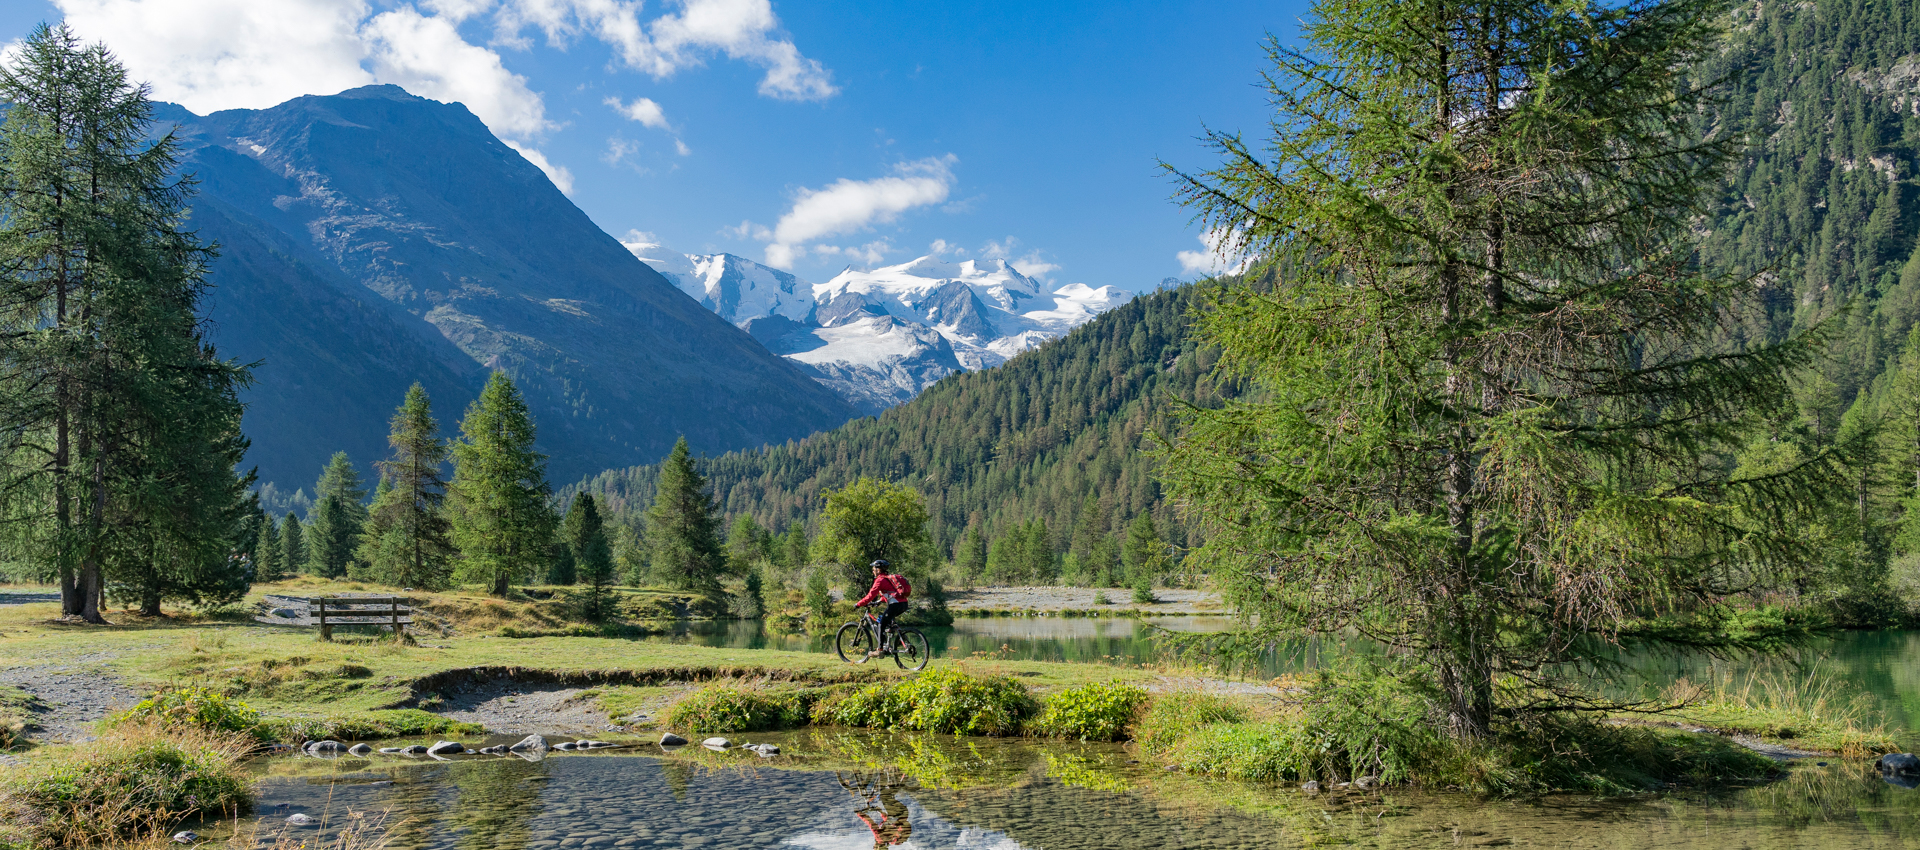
(1491, 411)
(339, 518)
(408, 543)
(122, 422)
(293, 544)
(747, 545)
(585, 536)
(970, 557)
(683, 532)
(560, 563)
(270, 564)
(501, 521)
(794, 547)
(869, 520)
(1144, 552)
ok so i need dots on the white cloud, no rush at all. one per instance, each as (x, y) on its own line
(223, 54)
(619, 149)
(849, 206)
(643, 110)
(641, 242)
(746, 30)
(1030, 264)
(561, 177)
(941, 248)
(681, 148)
(428, 57)
(1224, 254)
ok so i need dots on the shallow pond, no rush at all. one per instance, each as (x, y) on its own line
(863, 790)
(1879, 669)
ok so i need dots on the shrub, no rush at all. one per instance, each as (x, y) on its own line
(191, 707)
(1143, 589)
(1096, 712)
(945, 699)
(1172, 716)
(728, 708)
(131, 785)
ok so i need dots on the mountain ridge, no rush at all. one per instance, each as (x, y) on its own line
(390, 205)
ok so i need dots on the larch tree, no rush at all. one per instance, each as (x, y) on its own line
(269, 564)
(1495, 396)
(123, 423)
(502, 524)
(683, 527)
(408, 543)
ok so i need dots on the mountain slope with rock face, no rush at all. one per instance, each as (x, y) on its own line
(879, 337)
(373, 238)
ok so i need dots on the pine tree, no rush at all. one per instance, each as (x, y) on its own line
(339, 518)
(747, 545)
(683, 527)
(585, 537)
(122, 422)
(409, 544)
(970, 557)
(794, 547)
(501, 521)
(1144, 552)
(270, 564)
(1491, 409)
(293, 544)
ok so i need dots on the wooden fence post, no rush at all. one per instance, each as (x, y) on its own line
(320, 611)
(393, 609)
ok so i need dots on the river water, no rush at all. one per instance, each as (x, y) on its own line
(831, 790)
(841, 790)
(1878, 671)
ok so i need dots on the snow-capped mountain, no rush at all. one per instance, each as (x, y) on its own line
(879, 337)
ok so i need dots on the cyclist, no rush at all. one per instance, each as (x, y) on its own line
(894, 588)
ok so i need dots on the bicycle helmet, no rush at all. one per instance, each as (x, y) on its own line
(882, 565)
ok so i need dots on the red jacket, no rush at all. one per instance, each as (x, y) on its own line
(893, 587)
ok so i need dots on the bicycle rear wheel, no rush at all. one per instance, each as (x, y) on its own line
(910, 649)
(853, 642)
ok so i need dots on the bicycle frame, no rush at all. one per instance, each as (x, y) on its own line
(873, 625)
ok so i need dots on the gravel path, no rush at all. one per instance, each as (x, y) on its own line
(74, 695)
(1082, 598)
(516, 708)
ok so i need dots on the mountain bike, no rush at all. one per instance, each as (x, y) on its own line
(907, 645)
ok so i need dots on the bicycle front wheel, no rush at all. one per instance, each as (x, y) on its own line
(853, 643)
(910, 649)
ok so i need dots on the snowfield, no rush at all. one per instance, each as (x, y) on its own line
(880, 336)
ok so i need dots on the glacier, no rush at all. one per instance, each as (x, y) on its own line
(879, 336)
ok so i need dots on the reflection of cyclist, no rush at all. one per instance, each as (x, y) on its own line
(881, 810)
(894, 588)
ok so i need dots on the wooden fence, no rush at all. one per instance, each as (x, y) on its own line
(329, 611)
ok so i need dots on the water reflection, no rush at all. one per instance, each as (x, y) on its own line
(845, 790)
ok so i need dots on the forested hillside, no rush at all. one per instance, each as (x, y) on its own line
(1031, 439)
(1826, 202)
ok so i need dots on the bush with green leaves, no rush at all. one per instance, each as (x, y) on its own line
(196, 707)
(364, 726)
(944, 699)
(730, 708)
(1101, 711)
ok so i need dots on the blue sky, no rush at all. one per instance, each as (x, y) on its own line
(812, 135)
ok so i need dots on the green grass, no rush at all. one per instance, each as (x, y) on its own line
(1806, 710)
(16, 711)
(130, 785)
